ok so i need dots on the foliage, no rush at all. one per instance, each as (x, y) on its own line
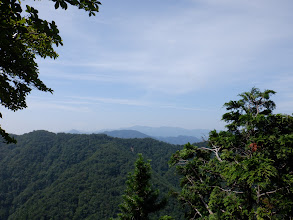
(140, 199)
(246, 172)
(166, 217)
(71, 176)
(22, 37)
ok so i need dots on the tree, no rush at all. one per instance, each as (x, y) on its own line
(247, 170)
(140, 199)
(22, 37)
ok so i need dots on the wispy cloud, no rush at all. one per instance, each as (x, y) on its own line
(137, 102)
(113, 101)
(210, 43)
(186, 108)
(50, 104)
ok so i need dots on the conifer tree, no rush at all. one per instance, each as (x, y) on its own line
(140, 199)
(247, 170)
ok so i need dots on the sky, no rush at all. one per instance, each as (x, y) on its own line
(159, 63)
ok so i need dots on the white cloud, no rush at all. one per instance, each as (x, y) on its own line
(137, 102)
(211, 43)
(113, 101)
(58, 106)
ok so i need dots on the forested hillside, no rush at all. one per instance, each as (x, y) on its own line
(72, 176)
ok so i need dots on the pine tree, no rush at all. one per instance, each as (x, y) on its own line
(140, 199)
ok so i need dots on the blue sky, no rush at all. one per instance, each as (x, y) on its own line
(159, 63)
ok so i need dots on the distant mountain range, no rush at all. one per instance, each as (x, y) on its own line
(170, 131)
(172, 135)
(126, 134)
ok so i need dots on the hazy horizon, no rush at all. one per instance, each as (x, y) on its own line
(113, 129)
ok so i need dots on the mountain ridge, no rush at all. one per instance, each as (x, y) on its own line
(163, 131)
(171, 135)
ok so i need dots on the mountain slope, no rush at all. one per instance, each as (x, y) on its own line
(72, 176)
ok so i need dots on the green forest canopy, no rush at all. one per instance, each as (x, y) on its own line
(72, 176)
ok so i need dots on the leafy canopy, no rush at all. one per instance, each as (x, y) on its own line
(22, 37)
(246, 172)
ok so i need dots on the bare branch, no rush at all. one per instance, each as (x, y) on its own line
(182, 162)
(190, 203)
(215, 149)
(271, 192)
(197, 175)
(196, 210)
(201, 198)
(227, 190)
(206, 205)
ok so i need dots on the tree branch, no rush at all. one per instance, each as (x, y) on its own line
(270, 192)
(201, 198)
(227, 190)
(196, 210)
(215, 150)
